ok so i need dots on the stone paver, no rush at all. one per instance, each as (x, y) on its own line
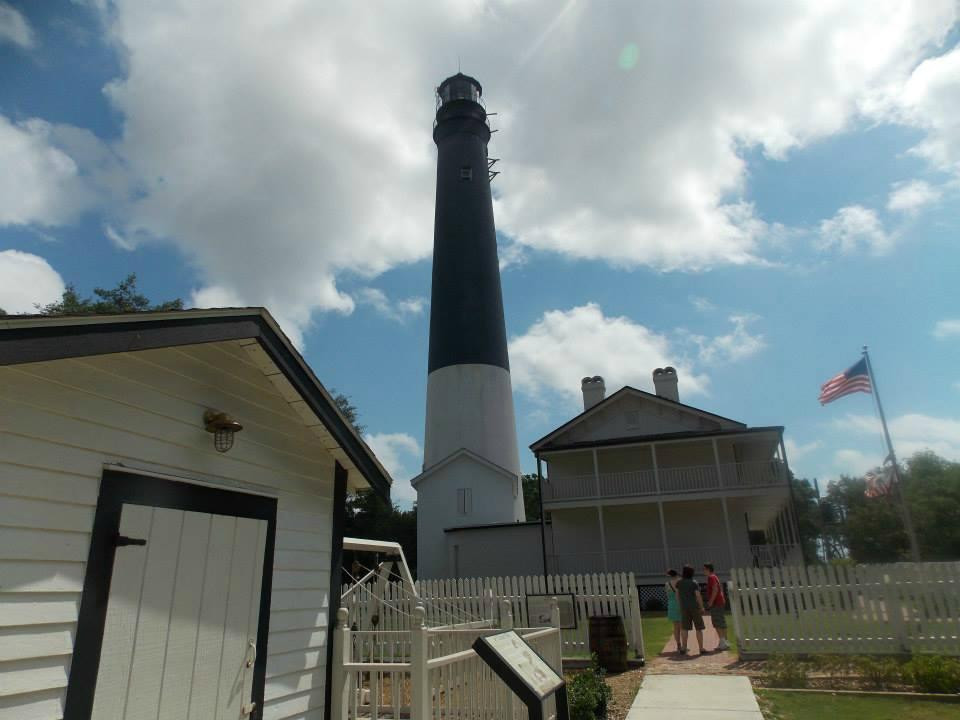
(695, 697)
(710, 663)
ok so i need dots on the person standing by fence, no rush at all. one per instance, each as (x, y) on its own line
(691, 609)
(716, 605)
(673, 604)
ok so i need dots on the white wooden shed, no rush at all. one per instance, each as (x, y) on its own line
(144, 574)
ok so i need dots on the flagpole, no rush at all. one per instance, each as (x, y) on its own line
(901, 500)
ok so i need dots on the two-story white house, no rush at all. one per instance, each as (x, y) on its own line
(642, 482)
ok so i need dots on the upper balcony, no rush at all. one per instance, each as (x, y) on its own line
(719, 478)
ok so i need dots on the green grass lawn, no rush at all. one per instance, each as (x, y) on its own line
(814, 706)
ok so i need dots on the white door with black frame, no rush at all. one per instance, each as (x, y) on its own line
(180, 637)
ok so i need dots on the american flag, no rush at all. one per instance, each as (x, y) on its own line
(878, 482)
(854, 379)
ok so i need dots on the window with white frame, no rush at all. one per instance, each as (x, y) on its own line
(465, 501)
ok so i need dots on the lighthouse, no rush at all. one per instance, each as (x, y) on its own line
(471, 468)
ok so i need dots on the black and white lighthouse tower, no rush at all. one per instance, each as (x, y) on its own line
(470, 465)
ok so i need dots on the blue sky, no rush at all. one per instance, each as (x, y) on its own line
(748, 192)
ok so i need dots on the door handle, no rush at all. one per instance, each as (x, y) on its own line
(123, 541)
(251, 659)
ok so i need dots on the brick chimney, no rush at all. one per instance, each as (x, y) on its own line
(665, 383)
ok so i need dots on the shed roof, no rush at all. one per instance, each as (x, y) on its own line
(36, 338)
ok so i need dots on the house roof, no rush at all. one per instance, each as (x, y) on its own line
(682, 435)
(543, 442)
(462, 452)
(36, 338)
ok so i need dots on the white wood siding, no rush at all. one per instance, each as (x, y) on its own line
(61, 421)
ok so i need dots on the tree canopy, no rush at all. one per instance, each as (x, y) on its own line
(124, 298)
(847, 523)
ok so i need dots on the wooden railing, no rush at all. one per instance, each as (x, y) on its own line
(428, 672)
(672, 480)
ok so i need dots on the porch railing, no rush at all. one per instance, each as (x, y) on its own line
(694, 478)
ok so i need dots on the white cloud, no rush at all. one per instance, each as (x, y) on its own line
(564, 346)
(400, 310)
(948, 327)
(40, 183)
(738, 344)
(931, 100)
(910, 197)
(910, 433)
(26, 281)
(855, 228)
(796, 452)
(401, 455)
(854, 462)
(14, 27)
(701, 304)
(280, 144)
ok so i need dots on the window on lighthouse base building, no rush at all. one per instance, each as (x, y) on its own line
(464, 501)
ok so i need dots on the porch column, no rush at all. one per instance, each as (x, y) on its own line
(603, 530)
(663, 524)
(723, 503)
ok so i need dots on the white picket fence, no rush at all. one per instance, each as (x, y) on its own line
(449, 602)
(425, 672)
(861, 609)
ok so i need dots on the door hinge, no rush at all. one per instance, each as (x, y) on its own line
(248, 708)
(123, 541)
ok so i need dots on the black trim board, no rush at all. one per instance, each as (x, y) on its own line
(116, 489)
(58, 338)
(641, 439)
(336, 561)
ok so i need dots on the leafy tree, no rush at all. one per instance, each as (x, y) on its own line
(370, 516)
(531, 496)
(809, 518)
(349, 410)
(124, 298)
(871, 529)
(932, 489)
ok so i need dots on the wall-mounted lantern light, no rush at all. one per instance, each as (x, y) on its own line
(223, 428)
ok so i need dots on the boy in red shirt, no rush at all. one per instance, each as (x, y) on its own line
(716, 603)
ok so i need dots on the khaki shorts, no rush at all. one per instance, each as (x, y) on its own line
(692, 618)
(717, 617)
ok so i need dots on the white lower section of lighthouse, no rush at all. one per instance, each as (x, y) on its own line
(471, 470)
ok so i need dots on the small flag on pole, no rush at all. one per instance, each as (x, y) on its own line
(854, 379)
(879, 482)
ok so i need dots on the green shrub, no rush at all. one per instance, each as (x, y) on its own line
(832, 665)
(933, 674)
(588, 693)
(880, 672)
(785, 671)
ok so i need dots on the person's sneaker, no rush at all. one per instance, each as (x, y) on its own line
(723, 645)
(682, 651)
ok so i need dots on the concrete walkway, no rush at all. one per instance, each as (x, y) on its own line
(695, 697)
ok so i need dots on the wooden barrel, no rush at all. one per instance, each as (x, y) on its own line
(608, 640)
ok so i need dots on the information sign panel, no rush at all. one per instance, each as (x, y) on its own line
(539, 608)
(524, 671)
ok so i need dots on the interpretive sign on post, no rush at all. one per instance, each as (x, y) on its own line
(525, 672)
(540, 607)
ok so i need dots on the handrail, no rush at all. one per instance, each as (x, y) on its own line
(444, 660)
(377, 666)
